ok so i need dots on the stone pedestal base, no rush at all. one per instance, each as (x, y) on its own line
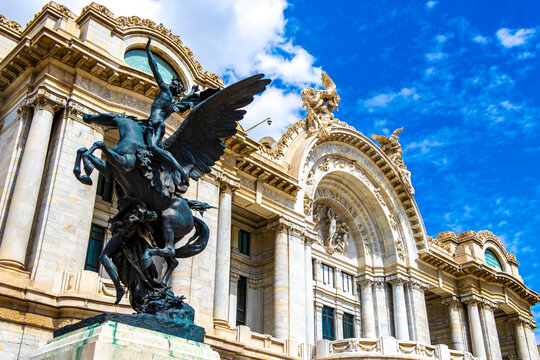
(112, 340)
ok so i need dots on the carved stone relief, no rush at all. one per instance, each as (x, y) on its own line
(392, 148)
(333, 232)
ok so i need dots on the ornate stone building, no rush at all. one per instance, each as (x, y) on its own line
(317, 249)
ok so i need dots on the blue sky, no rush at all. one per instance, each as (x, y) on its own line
(462, 77)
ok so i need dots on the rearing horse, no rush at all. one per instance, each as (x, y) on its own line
(120, 165)
(195, 145)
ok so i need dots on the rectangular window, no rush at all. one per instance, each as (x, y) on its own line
(104, 188)
(348, 326)
(241, 301)
(328, 275)
(243, 242)
(95, 245)
(347, 282)
(328, 323)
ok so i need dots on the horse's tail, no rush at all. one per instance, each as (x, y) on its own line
(197, 242)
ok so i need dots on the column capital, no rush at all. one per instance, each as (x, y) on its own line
(397, 279)
(254, 283)
(47, 101)
(228, 183)
(418, 284)
(365, 281)
(487, 304)
(234, 276)
(280, 225)
(452, 302)
(521, 320)
(379, 281)
(471, 300)
(24, 111)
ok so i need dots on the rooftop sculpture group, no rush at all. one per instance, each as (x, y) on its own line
(150, 177)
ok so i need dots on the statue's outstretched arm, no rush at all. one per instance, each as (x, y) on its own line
(153, 66)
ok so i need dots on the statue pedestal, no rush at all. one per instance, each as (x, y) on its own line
(113, 340)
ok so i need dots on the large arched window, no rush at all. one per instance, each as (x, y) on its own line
(138, 59)
(492, 260)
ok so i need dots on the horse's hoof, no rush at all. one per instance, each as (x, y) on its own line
(84, 179)
(119, 294)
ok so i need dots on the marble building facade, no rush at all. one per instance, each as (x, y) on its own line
(317, 247)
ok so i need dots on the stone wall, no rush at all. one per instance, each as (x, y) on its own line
(65, 206)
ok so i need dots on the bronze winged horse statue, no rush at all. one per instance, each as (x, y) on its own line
(153, 215)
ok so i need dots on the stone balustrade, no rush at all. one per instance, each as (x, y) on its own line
(384, 347)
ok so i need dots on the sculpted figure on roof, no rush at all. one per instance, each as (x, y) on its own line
(393, 149)
(319, 105)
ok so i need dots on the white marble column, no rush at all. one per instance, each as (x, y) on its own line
(400, 309)
(308, 276)
(456, 329)
(223, 256)
(419, 311)
(531, 339)
(233, 299)
(383, 327)
(493, 348)
(25, 193)
(281, 280)
(522, 347)
(368, 311)
(475, 326)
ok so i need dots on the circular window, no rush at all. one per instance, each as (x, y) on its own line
(138, 59)
(492, 260)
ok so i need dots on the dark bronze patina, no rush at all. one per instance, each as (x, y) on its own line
(150, 177)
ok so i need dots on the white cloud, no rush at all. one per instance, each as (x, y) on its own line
(382, 100)
(431, 4)
(282, 107)
(234, 39)
(441, 38)
(511, 38)
(480, 39)
(435, 56)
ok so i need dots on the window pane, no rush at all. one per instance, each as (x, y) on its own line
(328, 323)
(95, 244)
(138, 59)
(492, 260)
(241, 301)
(328, 275)
(348, 326)
(104, 188)
(346, 282)
(243, 242)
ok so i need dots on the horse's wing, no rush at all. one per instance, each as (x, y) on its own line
(197, 140)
